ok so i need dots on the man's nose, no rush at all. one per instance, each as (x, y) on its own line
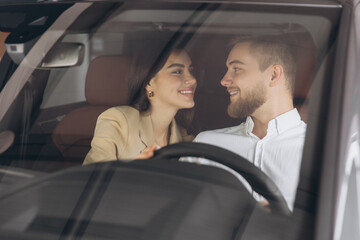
(226, 80)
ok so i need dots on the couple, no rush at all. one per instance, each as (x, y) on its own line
(260, 81)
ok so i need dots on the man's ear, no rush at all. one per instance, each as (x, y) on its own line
(277, 72)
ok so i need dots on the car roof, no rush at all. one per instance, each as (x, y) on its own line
(257, 2)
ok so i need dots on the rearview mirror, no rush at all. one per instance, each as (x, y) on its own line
(64, 55)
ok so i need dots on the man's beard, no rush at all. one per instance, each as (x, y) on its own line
(244, 107)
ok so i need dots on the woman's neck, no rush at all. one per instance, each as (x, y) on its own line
(161, 119)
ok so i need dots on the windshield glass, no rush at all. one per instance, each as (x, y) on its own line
(87, 83)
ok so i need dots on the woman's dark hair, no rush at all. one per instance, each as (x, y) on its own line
(144, 66)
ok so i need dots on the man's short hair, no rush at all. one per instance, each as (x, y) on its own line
(269, 50)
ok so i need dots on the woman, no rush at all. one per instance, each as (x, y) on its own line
(160, 85)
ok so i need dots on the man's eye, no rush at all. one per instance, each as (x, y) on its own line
(236, 69)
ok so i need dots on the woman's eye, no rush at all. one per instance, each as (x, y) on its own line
(236, 69)
(179, 71)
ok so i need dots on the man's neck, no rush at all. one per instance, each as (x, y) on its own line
(262, 116)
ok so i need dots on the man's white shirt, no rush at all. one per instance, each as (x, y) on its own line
(278, 154)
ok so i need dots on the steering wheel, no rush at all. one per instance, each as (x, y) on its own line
(258, 180)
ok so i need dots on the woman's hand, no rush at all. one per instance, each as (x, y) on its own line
(266, 205)
(147, 153)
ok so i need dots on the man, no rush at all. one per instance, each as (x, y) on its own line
(260, 81)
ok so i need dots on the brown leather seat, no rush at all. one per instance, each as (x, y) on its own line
(105, 86)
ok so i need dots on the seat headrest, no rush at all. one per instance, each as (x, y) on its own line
(106, 81)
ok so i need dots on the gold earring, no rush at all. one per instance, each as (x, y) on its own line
(150, 93)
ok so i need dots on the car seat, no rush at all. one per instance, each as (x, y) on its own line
(105, 86)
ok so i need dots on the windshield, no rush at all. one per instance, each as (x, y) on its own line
(95, 82)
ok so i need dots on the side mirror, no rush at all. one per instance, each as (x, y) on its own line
(64, 55)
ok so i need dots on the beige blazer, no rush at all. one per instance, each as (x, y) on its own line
(123, 132)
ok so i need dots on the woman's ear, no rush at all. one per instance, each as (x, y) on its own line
(148, 86)
(277, 72)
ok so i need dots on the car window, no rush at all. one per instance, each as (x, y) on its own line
(67, 64)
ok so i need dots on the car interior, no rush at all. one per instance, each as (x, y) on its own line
(54, 114)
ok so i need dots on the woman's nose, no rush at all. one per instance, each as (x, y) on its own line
(190, 79)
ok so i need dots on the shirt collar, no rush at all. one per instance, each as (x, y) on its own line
(279, 124)
(146, 133)
(249, 125)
